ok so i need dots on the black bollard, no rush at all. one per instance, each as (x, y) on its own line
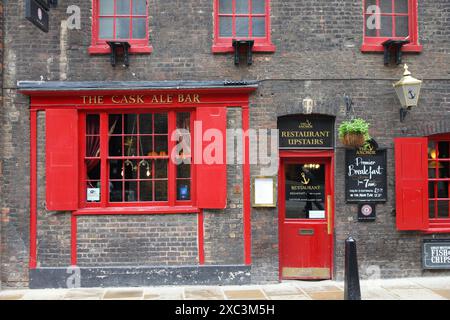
(352, 290)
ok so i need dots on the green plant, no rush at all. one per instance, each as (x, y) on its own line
(355, 126)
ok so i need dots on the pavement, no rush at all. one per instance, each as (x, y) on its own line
(432, 288)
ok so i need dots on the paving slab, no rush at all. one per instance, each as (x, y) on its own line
(281, 290)
(327, 295)
(416, 294)
(400, 284)
(203, 294)
(47, 294)
(376, 294)
(84, 294)
(290, 297)
(255, 294)
(443, 293)
(433, 283)
(12, 294)
(124, 294)
(164, 293)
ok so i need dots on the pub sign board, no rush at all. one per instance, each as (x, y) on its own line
(365, 175)
(36, 14)
(436, 254)
(306, 132)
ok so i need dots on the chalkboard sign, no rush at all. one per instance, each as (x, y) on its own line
(366, 177)
(436, 254)
(306, 132)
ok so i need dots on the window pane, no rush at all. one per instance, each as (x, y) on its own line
(442, 207)
(160, 190)
(123, 28)
(115, 146)
(115, 124)
(241, 6)
(92, 169)
(183, 190)
(106, 28)
(146, 191)
(443, 150)
(431, 190)
(160, 169)
(161, 145)
(145, 169)
(130, 169)
(386, 6)
(184, 171)
(130, 191)
(259, 27)
(123, 6)
(115, 169)
(225, 6)
(443, 169)
(401, 26)
(442, 188)
(130, 121)
(183, 120)
(106, 7)
(431, 209)
(139, 7)
(225, 27)
(259, 6)
(161, 123)
(115, 191)
(401, 6)
(371, 30)
(130, 146)
(92, 124)
(241, 26)
(386, 26)
(93, 146)
(139, 30)
(370, 3)
(146, 146)
(145, 123)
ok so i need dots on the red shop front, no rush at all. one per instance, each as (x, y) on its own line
(134, 148)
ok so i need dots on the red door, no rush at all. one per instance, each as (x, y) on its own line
(306, 205)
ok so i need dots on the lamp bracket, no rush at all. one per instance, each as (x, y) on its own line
(403, 113)
(116, 46)
(244, 45)
(394, 46)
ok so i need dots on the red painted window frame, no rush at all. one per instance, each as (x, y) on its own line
(374, 44)
(172, 204)
(99, 46)
(224, 44)
(439, 224)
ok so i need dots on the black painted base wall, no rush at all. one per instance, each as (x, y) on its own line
(70, 277)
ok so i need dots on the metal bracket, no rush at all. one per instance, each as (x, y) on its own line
(403, 113)
(115, 47)
(246, 45)
(396, 46)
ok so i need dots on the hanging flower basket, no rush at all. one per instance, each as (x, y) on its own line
(354, 133)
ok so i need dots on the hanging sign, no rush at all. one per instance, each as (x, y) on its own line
(37, 14)
(365, 175)
(436, 254)
(306, 132)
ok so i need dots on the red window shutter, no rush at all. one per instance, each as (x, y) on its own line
(411, 183)
(211, 175)
(61, 136)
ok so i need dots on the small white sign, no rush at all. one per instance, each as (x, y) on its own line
(317, 214)
(93, 194)
(264, 194)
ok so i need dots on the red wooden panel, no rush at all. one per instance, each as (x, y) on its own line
(61, 138)
(411, 185)
(211, 171)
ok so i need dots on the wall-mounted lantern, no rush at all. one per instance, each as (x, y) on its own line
(408, 90)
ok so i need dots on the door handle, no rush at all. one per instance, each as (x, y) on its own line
(329, 214)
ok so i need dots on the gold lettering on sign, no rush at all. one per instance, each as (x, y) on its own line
(141, 99)
(92, 99)
(188, 98)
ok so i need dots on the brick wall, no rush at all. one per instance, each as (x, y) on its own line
(317, 56)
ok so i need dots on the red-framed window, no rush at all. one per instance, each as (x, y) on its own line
(422, 181)
(439, 178)
(131, 159)
(242, 19)
(390, 19)
(120, 20)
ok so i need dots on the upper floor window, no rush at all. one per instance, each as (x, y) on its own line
(390, 19)
(120, 20)
(242, 19)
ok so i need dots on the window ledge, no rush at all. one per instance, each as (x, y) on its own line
(225, 48)
(136, 210)
(134, 49)
(379, 48)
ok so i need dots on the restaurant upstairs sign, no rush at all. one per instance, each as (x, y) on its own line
(306, 132)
